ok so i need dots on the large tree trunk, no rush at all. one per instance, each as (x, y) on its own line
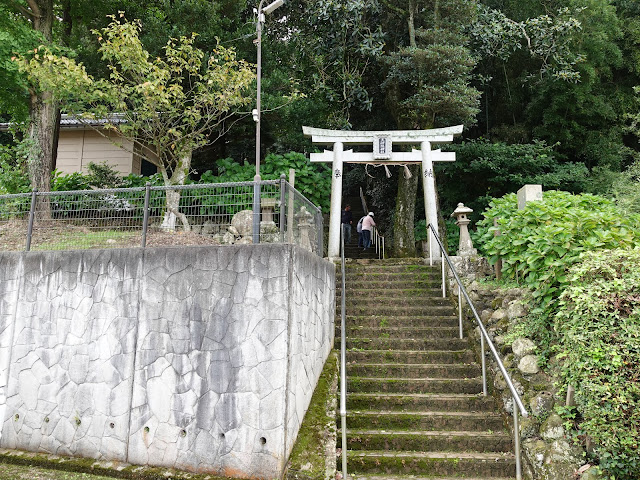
(403, 233)
(172, 212)
(42, 135)
(404, 240)
(44, 116)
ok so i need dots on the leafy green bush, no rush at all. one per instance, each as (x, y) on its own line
(134, 180)
(598, 326)
(66, 182)
(13, 176)
(102, 175)
(539, 243)
(420, 230)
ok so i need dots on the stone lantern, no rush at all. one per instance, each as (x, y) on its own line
(305, 224)
(465, 247)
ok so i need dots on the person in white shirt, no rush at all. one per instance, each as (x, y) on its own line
(367, 225)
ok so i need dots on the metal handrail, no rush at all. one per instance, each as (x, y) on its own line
(484, 338)
(365, 208)
(343, 362)
(379, 242)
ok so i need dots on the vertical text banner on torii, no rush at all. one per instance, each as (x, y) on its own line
(382, 144)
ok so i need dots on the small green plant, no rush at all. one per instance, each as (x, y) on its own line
(598, 325)
(102, 175)
(65, 182)
(420, 230)
(13, 174)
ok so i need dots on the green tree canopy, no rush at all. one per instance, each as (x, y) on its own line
(167, 106)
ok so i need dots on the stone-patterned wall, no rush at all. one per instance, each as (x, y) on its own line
(10, 273)
(71, 369)
(311, 303)
(199, 358)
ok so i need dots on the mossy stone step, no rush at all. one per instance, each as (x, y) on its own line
(410, 356)
(414, 385)
(444, 370)
(417, 321)
(424, 280)
(399, 294)
(402, 310)
(393, 284)
(427, 441)
(450, 402)
(407, 343)
(395, 260)
(401, 332)
(454, 464)
(386, 268)
(427, 421)
(415, 477)
(415, 300)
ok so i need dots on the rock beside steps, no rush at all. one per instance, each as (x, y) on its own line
(415, 407)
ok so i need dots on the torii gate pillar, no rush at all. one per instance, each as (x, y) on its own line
(336, 201)
(382, 154)
(429, 193)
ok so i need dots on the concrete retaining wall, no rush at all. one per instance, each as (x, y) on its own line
(198, 358)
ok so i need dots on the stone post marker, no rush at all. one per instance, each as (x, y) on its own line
(529, 193)
(304, 226)
(465, 247)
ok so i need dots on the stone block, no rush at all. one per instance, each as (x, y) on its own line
(522, 347)
(542, 404)
(515, 310)
(529, 365)
(529, 193)
(552, 428)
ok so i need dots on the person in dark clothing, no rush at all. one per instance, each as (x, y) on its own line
(347, 220)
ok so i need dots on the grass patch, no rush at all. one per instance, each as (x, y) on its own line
(91, 239)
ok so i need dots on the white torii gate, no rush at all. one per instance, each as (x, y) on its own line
(382, 142)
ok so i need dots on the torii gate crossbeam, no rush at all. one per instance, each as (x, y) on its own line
(382, 142)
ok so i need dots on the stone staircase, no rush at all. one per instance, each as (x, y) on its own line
(414, 402)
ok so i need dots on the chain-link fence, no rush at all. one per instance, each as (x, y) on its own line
(199, 214)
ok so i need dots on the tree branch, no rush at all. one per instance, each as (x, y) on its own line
(392, 7)
(35, 9)
(25, 12)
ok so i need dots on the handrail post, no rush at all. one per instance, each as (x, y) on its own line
(32, 212)
(460, 311)
(444, 287)
(430, 247)
(343, 362)
(283, 197)
(516, 440)
(319, 232)
(483, 360)
(145, 215)
(256, 209)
